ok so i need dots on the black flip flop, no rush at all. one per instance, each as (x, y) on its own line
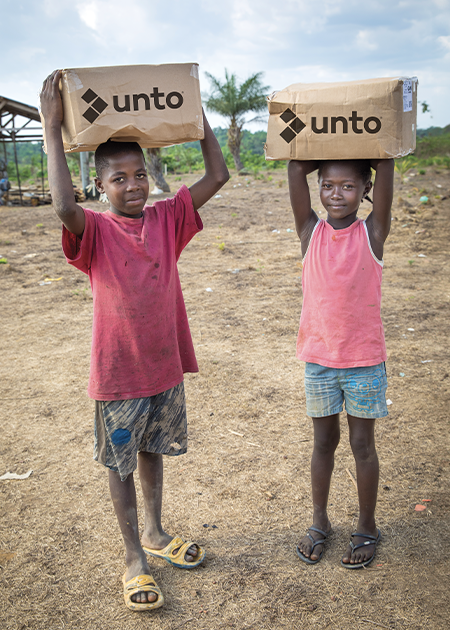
(314, 544)
(371, 540)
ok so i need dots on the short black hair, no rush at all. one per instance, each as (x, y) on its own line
(110, 149)
(362, 167)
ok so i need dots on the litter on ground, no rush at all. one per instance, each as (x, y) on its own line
(10, 475)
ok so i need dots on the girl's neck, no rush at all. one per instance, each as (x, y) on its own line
(345, 222)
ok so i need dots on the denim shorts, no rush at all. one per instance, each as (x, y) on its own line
(362, 388)
(156, 424)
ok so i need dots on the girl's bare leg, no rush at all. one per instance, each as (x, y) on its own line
(326, 439)
(362, 441)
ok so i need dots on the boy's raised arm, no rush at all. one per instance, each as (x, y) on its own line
(61, 187)
(216, 172)
(379, 220)
(304, 215)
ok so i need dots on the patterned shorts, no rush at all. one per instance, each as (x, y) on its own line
(156, 424)
(362, 388)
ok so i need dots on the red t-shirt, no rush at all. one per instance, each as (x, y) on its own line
(141, 342)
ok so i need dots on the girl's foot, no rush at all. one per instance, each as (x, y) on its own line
(361, 550)
(307, 546)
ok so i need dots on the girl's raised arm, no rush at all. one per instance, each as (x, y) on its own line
(379, 220)
(304, 215)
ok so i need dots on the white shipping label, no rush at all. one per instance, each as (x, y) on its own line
(407, 96)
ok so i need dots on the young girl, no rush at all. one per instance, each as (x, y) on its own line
(341, 336)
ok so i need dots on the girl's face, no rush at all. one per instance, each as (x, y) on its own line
(341, 192)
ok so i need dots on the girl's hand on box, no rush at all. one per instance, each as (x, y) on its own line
(376, 162)
(50, 98)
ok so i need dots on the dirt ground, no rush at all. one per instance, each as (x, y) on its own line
(242, 491)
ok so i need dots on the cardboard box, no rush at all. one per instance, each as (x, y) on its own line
(156, 106)
(375, 118)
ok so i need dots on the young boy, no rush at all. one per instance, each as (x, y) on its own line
(341, 335)
(141, 344)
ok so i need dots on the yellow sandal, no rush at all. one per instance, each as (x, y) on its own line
(175, 551)
(139, 584)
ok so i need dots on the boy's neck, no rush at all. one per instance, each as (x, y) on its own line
(124, 214)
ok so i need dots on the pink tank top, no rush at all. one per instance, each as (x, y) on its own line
(340, 324)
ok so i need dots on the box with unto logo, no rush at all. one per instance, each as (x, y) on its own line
(369, 119)
(154, 105)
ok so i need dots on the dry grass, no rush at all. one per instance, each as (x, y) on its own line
(247, 468)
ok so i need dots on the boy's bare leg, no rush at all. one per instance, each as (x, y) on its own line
(123, 495)
(326, 439)
(362, 441)
(150, 466)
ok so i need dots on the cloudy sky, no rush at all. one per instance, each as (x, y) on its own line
(292, 41)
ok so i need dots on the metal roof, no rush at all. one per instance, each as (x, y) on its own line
(18, 130)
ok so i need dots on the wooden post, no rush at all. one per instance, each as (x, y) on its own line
(17, 164)
(84, 170)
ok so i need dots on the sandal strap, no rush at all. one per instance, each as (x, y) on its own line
(371, 540)
(321, 541)
(319, 531)
(375, 538)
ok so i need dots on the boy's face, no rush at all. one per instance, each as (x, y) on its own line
(341, 192)
(125, 182)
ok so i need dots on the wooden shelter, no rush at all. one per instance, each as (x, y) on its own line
(15, 126)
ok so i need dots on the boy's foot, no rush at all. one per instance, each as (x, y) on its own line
(361, 550)
(142, 584)
(136, 569)
(176, 552)
(311, 547)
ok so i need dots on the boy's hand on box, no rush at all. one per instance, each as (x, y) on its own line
(61, 188)
(50, 98)
(216, 172)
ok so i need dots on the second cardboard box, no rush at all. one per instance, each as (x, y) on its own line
(374, 118)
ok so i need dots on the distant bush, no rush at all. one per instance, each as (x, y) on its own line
(433, 146)
(433, 131)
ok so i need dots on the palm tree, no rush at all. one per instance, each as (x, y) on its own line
(234, 101)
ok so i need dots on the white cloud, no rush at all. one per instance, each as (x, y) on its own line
(365, 40)
(118, 23)
(54, 8)
(445, 41)
(89, 14)
(268, 22)
(294, 41)
(442, 4)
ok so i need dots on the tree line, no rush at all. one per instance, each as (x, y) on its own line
(239, 104)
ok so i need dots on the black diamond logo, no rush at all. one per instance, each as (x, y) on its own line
(89, 96)
(288, 135)
(91, 115)
(295, 125)
(97, 107)
(287, 115)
